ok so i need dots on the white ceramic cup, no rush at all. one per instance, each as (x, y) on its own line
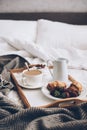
(32, 77)
(60, 70)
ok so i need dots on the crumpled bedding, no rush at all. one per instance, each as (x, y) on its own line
(12, 117)
(37, 53)
(8, 62)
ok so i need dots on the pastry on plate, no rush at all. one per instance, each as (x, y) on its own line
(62, 90)
(56, 84)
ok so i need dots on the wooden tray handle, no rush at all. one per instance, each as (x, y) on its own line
(64, 103)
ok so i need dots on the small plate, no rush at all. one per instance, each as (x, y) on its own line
(30, 86)
(46, 92)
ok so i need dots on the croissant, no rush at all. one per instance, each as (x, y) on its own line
(75, 83)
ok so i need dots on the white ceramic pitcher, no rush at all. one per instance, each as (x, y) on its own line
(60, 70)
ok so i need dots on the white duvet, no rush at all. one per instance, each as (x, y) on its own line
(31, 50)
(34, 53)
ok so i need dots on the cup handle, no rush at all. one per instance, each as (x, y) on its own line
(48, 64)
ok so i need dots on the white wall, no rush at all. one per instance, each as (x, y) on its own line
(43, 5)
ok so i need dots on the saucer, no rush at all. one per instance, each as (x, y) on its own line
(30, 86)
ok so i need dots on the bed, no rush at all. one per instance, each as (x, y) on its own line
(28, 36)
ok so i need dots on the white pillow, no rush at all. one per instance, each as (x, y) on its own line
(25, 30)
(61, 35)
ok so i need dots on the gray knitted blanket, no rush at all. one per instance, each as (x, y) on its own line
(12, 117)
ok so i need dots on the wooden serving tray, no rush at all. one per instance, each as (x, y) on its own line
(59, 103)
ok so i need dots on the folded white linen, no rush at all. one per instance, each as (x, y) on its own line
(29, 46)
(36, 51)
(6, 48)
(14, 42)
